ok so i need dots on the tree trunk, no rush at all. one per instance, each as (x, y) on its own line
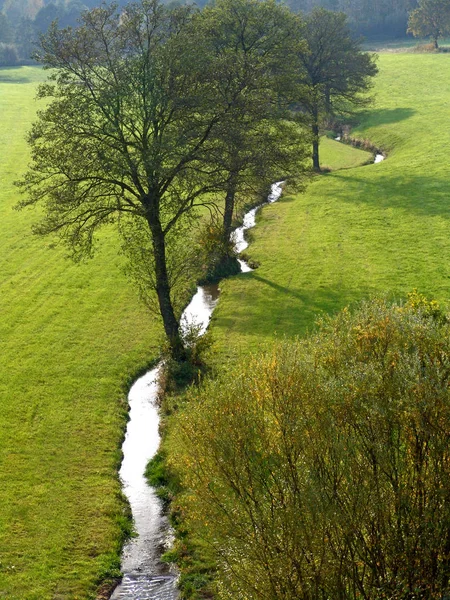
(229, 207)
(315, 143)
(436, 47)
(170, 323)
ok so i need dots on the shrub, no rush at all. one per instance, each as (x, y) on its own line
(218, 255)
(322, 469)
(176, 375)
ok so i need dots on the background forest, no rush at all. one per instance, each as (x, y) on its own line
(21, 21)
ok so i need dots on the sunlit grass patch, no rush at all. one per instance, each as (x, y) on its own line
(71, 338)
(355, 232)
(335, 155)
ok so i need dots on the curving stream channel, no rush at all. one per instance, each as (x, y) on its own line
(145, 577)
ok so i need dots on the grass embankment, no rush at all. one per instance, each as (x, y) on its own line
(356, 232)
(71, 336)
(335, 156)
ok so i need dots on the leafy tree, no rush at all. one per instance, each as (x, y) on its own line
(123, 137)
(430, 19)
(334, 74)
(254, 44)
(322, 469)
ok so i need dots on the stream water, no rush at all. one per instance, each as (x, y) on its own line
(145, 577)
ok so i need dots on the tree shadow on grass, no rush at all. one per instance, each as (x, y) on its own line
(10, 75)
(279, 288)
(387, 116)
(271, 309)
(420, 194)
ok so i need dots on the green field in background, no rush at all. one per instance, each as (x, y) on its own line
(374, 229)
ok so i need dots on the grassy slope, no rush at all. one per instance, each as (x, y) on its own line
(334, 155)
(374, 229)
(70, 338)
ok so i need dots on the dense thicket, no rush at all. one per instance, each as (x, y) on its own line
(322, 469)
(22, 21)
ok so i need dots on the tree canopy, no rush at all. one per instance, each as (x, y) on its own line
(430, 19)
(334, 74)
(123, 136)
(254, 46)
(133, 129)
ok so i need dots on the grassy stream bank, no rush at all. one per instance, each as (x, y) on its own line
(73, 336)
(355, 232)
(71, 339)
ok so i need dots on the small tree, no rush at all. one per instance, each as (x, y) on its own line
(430, 19)
(334, 75)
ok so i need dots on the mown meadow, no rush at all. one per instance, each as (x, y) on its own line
(72, 336)
(376, 229)
(355, 233)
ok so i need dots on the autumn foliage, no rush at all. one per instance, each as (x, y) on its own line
(322, 469)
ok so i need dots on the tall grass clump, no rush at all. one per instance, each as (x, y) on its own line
(321, 469)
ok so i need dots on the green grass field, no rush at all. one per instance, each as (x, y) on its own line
(335, 156)
(71, 337)
(370, 230)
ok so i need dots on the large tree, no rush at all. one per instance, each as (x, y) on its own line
(334, 74)
(254, 44)
(123, 137)
(430, 19)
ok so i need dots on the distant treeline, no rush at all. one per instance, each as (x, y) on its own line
(371, 18)
(21, 21)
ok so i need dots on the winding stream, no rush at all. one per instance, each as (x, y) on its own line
(145, 577)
